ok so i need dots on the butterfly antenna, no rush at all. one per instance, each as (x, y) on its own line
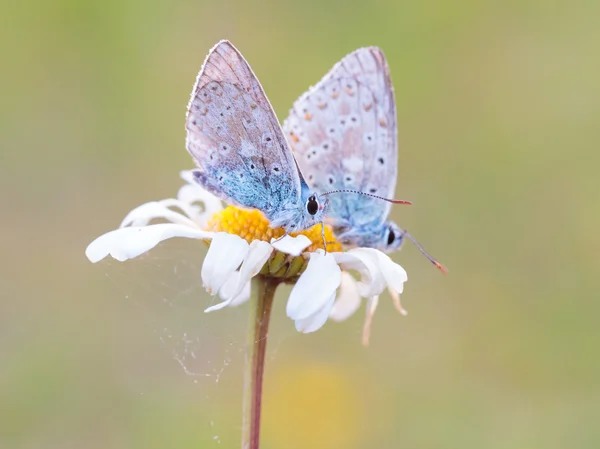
(389, 200)
(442, 268)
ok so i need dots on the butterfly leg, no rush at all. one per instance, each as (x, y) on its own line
(284, 235)
(323, 236)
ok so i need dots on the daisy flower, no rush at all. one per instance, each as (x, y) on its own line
(242, 246)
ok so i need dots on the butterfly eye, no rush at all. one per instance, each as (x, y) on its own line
(391, 237)
(312, 205)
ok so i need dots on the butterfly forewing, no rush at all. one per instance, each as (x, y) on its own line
(235, 138)
(343, 132)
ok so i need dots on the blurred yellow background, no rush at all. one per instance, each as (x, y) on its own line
(499, 112)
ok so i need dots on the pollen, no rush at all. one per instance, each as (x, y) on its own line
(251, 224)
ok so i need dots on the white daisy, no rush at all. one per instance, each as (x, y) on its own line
(243, 246)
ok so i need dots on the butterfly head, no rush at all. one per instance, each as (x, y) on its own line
(309, 213)
(391, 238)
(314, 209)
(316, 206)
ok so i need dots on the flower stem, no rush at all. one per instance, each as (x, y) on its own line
(261, 301)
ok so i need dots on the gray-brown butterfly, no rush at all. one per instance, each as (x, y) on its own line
(236, 141)
(344, 134)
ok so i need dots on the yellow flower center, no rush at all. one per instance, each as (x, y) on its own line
(253, 225)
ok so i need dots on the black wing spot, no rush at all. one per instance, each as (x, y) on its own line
(252, 166)
(381, 161)
(276, 169)
(331, 180)
(373, 190)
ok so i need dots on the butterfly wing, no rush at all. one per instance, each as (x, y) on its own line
(235, 139)
(343, 132)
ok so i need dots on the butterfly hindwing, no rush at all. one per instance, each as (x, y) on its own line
(235, 138)
(344, 135)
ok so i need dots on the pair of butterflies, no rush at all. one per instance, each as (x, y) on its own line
(342, 131)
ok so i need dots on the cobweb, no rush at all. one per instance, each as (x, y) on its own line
(165, 287)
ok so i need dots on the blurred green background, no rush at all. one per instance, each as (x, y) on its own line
(499, 112)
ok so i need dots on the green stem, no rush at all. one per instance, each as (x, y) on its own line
(261, 301)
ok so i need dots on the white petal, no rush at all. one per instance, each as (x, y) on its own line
(258, 254)
(397, 304)
(127, 243)
(317, 320)
(315, 286)
(242, 297)
(226, 292)
(371, 307)
(291, 245)
(372, 282)
(193, 193)
(394, 274)
(348, 299)
(226, 253)
(142, 215)
(188, 176)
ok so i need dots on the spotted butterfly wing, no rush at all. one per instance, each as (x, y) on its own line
(343, 132)
(236, 141)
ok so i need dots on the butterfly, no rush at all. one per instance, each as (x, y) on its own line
(237, 143)
(344, 134)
